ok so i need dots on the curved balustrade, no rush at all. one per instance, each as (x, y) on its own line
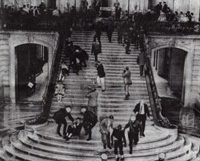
(157, 108)
(48, 96)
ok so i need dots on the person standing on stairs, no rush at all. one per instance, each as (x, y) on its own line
(119, 138)
(89, 121)
(127, 82)
(142, 112)
(59, 117)
(98, 30)
(141, 61)
(96, 49)
(101, 76)
(133, 133)
(105, 127)
(92, 96)
(110, 29)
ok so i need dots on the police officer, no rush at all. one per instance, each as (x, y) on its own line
(59, 117)
(89, 121)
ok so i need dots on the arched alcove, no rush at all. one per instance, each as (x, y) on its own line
(169, 64)
(31, 71)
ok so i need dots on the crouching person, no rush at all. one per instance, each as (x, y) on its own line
(89, 121)
(119, 138)
(59, 117)
(74, 129)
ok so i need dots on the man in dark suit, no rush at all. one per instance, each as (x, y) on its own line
(119, 138)
(89, 121)
(101, 76)
(96, 49)
(59, 117)
(133, 133)
(142, 111)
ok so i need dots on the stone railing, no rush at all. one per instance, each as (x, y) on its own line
(48, 96)
(44, 25)
(177, 28)
(155, 100)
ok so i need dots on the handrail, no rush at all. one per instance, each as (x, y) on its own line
(160, 119)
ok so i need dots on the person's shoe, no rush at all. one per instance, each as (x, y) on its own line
(67, 138)
(130, 152)
(103, 90)
(128, 95)
(59, 134)
(88, 139)
(142, 135)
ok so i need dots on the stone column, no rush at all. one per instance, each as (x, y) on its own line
(12, 75)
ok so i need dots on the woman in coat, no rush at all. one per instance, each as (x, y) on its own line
(127, 82)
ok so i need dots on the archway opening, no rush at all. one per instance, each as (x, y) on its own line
(169, 64)
(31, 72)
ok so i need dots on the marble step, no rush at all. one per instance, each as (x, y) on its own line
(41, 154)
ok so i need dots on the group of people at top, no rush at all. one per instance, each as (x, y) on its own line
(164, 14)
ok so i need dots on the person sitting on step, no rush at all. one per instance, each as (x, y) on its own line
(64, 69)
(74, 129)
(59, 117)
(59, 91)
(89, 121)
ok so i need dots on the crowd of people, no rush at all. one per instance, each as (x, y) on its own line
(130, 29)
(111, 136)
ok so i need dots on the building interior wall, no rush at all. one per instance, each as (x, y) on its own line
(170, 66)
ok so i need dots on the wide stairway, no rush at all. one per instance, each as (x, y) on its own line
(43, 144)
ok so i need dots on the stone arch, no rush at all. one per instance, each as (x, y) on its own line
(24, 41)
(187, 67)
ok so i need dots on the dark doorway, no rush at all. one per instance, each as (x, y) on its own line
(171, 63)
(30, 61)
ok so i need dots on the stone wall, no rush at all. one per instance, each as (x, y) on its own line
(189, 44)
(8, 42)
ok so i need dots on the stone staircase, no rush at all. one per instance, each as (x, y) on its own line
(42, 143)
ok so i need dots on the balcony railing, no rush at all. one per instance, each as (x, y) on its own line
(178, 28)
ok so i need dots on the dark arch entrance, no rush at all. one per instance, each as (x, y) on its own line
(31, 59)
(169, 64)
